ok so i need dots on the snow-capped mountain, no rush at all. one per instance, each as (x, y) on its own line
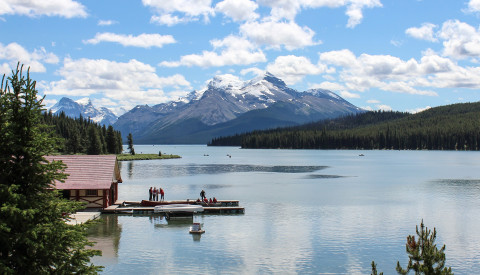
(85, 108)
(229, 105)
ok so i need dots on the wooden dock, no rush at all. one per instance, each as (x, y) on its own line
(133, 207)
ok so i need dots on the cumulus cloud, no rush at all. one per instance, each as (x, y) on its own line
(13, 53)
(288, 9)
(190, 10)
(232, 50)
(238, 10)
(461, 40)
(126, 83)
(390, 73)
(292, 69)
(474, 6)
(277, 34)
(143, 40)
(33, 8)
(425, 32)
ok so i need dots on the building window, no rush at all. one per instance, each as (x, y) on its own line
(92, 192)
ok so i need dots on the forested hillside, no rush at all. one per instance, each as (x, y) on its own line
(451, 127)
(83, 136)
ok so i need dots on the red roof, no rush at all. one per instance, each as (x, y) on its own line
(88, 171)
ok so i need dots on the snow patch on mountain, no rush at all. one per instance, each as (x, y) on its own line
(84, 107)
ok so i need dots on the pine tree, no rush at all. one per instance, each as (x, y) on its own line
(111, 141)
(424, 256)
(130, 144)
(34, 238)
(94, 141)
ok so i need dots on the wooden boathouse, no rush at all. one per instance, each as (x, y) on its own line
(92, 179)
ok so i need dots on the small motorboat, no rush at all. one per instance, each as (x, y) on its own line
(196, 228)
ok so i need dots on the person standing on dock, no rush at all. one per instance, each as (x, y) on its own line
(155, 194)
(162, 194)
(150, 194)
(202, 195)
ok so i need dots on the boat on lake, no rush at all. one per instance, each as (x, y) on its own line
(196, 228)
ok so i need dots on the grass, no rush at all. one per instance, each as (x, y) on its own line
(122, 157)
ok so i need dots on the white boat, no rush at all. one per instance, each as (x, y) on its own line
(196, 228)
(178, 208)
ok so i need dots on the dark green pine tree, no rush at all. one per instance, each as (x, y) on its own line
(111, 141)
(424, 256)
(34, 238)
(130, 144)
(94, 141)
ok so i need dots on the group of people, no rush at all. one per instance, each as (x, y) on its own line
(153, 193)
(204, 199)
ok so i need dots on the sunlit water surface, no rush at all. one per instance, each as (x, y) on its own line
(306, 211)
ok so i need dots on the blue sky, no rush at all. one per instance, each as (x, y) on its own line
(402, 55)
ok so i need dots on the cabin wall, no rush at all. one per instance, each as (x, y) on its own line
(93, 198)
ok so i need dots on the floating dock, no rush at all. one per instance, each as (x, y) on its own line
(134, 207)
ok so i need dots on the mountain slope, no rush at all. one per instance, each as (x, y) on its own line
(85, 108)
(451, 127)
(227, 106)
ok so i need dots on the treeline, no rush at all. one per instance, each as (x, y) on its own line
(452, 127)
(83, 136)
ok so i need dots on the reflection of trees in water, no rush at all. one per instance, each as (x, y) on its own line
(130, 169)
(149, 170)
(106, 233)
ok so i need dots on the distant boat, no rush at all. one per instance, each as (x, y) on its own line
(196, 228)
(361, 155)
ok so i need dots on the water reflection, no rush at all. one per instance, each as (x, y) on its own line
(152, 169)
(315, 176)
(106, 235)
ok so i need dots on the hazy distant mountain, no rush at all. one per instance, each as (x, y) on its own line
(85, 108)
(228, 106)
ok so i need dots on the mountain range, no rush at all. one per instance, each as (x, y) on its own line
(228, 106)
(85, 108)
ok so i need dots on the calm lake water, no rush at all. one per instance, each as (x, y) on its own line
(306, 211)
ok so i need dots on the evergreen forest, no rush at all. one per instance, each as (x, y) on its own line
(450, 127)
(83, 136)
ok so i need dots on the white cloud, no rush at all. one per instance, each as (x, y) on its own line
(373, 101)
(143, 40)
(276, 34)
(128, 83)
(106, 22)
(191, 9)
(33, 8)
(13, 53)
(169, 20)
(238, 10)
(254, 71)
(474, 5)
(347, 94)
(232, 50)
(460, 40)
(292, 69)
(288, 9)
(425, 32)
(384, 107)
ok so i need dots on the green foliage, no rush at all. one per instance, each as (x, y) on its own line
(76, 135)
(452, 127)
(424, 256)
(34, 238)
(130, 144)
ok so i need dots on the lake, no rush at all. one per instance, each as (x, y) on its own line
(306, 211)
